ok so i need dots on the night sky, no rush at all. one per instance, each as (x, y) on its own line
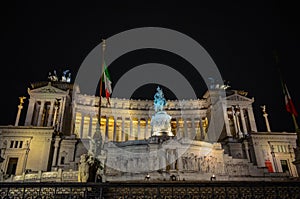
(240, 37)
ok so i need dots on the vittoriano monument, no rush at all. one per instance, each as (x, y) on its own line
(160, 122)
(128, 144)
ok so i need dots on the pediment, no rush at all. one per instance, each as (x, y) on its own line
(237, 97)
(49, 89)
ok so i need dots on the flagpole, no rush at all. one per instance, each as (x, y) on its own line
(295, 122)
(285, 93)
(101, 79)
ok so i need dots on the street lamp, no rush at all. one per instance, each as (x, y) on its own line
(213, 177)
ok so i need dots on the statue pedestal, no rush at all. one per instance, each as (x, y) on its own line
(159, 139)
(161, 125)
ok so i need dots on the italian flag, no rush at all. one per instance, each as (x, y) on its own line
(289, 105)
(107, 83)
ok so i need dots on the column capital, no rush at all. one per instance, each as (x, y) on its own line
(31, 99)
(249, 107)
(85, 114)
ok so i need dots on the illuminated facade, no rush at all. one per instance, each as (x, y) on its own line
(60, 120)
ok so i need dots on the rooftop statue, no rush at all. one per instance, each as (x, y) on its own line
(159, 100)
(53, 77)
(263, 107)
(69, 78)
(66, 76)
(22, 100)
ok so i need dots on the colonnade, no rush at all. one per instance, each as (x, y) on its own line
(46, 112)
(124, 128)
(240, 121)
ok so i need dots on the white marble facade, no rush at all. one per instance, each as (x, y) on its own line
(71, 117)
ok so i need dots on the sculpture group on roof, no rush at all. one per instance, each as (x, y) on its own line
(66, 76)
(214, 85)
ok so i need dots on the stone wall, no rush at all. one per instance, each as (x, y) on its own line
(51, 176)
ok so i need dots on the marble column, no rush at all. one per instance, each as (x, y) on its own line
(251, 119)
(18, 115)
(106, 128)
(235, 122)
(193, 134)
(185, 134)
(240, 133)
(56, 145)
(123, 129)
(35, 114)
(50, 117)
(30, 110)
(40, 117)
(59, 115)
(91, 126)
(266, 118)
(178, 133)
(73, 117)
(119, 129)
(201, 129)
(243, 121)
(226, 120)
(81, 125)
(130, 137)
(197, 131)
(62, 114)
(139, 137)
(205, 130)
(146, 136)
(267, 122)
(103, 127)
(115, 129)
(54, 116)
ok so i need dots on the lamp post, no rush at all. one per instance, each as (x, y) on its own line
(273, 156)
(213, 177)
(26, 154)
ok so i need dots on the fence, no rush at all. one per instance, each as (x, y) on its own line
(150, 190)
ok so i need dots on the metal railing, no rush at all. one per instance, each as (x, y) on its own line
(152, 190)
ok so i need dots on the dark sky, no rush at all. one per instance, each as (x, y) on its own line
(240, 38)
